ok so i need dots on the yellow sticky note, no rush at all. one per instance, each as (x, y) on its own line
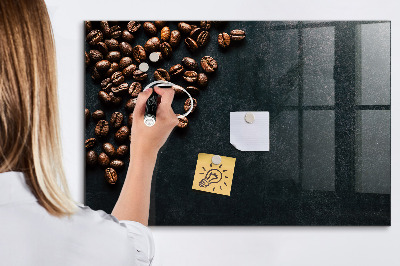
(214, 178)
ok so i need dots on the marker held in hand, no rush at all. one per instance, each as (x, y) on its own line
(151, 109)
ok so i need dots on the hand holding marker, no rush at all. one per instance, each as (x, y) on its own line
(152, 101)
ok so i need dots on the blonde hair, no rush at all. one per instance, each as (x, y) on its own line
(29, 119)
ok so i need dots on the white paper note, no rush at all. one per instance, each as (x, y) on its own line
(246, 136)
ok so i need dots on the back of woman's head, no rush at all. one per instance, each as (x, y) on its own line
(29, 121)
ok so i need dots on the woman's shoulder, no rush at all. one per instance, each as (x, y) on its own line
(88, 214)
(98, 220)
(135, 235)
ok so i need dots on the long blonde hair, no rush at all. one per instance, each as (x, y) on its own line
(29, 119)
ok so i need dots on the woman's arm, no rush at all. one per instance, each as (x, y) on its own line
(134, 201)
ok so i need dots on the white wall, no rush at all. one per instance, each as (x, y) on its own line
(232, 245)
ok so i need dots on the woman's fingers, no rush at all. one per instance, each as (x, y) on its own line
(141, 103)
(164, 109)
(167, 95)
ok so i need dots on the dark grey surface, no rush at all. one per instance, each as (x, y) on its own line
(295, 74)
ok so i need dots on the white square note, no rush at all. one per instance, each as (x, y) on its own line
(249, 131)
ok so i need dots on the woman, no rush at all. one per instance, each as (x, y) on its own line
(39, 222)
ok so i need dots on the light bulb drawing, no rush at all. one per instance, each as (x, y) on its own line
(212, 176)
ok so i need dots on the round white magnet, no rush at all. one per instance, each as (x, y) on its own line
(216, 159)
(154, 57)
(249, 118)
(143, 67)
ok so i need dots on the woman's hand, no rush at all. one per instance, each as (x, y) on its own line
(134, 201)
(146, 139)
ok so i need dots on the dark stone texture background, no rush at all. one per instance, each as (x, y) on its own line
(258, 74)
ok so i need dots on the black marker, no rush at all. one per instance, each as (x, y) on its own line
(151, 106)
(151, 109)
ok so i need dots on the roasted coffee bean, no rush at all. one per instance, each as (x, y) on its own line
(94, 37)
(194, 91)
(88, 25)
(112, 44)
(95, 56)
(115, 100)
(138, 75)
(106, 85)
(190, 76)
(102, 47)
(89, 143)
(105, 28)
(149, 28)
(125, 48)
(109, 149)
(122, 134)
(128, 71)
(183, 121)
(87, 114)
(116, 119)
(138, 53)
(202, 80)
(96, 76)
(195, 33)
(176, 70)
(111, 176)
(120, 90)
(103, 160)
(209, 64)
(160, 24)
(117, 78)
(102, 128)
(220, 24)
(124, 62)
(224, 40)
(165, 34)
(237, 35)
(115, 31)
(122, 151)
(113, 56)
(187, 105)
(152, 45)
(130, 120)
(191, 44)
(175, 38)
(135, 88)
(161, 74)
(184, 28)
(130, 105)
(114, 68)
(166, 50)
(87, 59)
(205, 25)
(104, 97)
(98, 115)
(103, 65)
(127, 36)
(91, 158)
(203, 38)
(133, 26)
(189, 63)
(117, 164)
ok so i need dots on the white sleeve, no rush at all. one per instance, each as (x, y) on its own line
(139, 236)
(143, 241)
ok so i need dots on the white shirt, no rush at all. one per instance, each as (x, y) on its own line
(29, 235)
